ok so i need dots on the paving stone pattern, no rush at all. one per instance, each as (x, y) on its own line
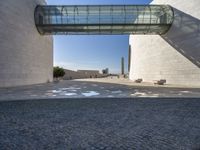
(85, 89)
(95, 123)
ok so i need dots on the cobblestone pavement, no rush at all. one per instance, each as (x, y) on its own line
(118, 124)
(81, 89)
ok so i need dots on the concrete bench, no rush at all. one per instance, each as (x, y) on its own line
(138, 81)
(160, 82)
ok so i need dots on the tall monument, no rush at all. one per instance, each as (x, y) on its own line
(122, 66)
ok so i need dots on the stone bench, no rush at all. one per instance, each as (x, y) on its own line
(138, 81)
(160, 82)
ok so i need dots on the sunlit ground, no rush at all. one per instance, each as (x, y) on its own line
(90, 89)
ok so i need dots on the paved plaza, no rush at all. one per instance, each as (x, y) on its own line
(101, 124)
(91, 88)
(81, 115)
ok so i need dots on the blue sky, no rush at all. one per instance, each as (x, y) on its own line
(91, 52)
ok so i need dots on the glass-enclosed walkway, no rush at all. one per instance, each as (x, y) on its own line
(104, 19)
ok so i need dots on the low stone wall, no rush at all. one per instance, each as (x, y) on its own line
(69, 75)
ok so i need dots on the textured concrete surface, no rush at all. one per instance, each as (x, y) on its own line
(129, 82)
(26, 57)
(119, 124)
(90, 89)
(81, 74)
(173, 56)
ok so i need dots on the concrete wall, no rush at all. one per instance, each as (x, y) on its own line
(174, 56)
(81, 74)
(25, 56)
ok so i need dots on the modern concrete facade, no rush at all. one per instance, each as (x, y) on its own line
(26, 56)
(174, 56)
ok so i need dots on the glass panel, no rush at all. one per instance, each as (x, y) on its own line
(99, 19)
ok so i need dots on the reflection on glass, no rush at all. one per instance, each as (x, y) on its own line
(127, 19)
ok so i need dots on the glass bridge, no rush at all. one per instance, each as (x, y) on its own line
(103, 19)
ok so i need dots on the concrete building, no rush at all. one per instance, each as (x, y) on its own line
(81, 74)
(174, 56)
(26, 56)
(105, 71)
(90, 73)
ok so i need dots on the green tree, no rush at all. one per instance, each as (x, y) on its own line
(58, 72)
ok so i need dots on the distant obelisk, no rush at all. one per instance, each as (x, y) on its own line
(122, 66)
